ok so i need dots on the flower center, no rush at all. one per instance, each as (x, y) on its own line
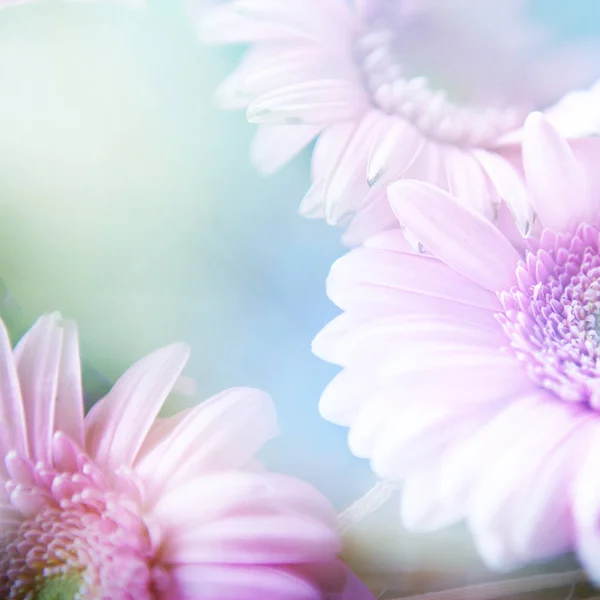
(471, 94)
(72, 537)
(553, 316)
(59, 589)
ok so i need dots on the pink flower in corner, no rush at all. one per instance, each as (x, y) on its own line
(472, 374)
(390, 89)
(120, 504)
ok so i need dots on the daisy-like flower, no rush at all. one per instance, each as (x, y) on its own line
(120, 504)
(472, 373)
(392, 88)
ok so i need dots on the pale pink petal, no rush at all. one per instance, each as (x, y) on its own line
(65, 453)
(428, 165)
(467, 181)
(37, 357)
(464, 464)
(19, 469)
(559, 191)
(496, 502)
(311, 206)
(268, 67)
(393, 241)
(69, 395)
(239, 582)
(403, 271)
(221, 433)
(372, 217)
(587, 154)
(421, 434)
(546, 499)
(505, 222)
(328, 343)
(13, 428)
(462, 387)
(346, 185)
(327, 153)
(161, 429)
(116, 426)
(230, 493)
(274, 538)
(345, 340)
(511, 187)
(421, 510)
(577, 114)
(275, 145)
(318, 102)
(394, 151)
(355, 589)
(343, 397)
(30, 500)
(586, 500)
(329, 149)
(386, 302)
(460, 237)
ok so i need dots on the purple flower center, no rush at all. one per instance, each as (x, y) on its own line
(552, 316)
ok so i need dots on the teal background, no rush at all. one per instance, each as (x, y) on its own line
(128, 203)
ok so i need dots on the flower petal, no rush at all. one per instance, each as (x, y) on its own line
(116, 426)
(343, 397)
(421, 510)
(223, 432)
(69, 395)
(559, 191)
(13, 428)
(403, 271)
(318, 102)
(511, 187)
(229, 493)
(274, 538)
(275, 145)
(372, 217)
(394, 151)
(346, 187)
(463, 387)
(346, 340)
(459, 236)
(468, 183)
(239, 582)
(355, 589)
(37, 357)
(586, 499)
(497, 500)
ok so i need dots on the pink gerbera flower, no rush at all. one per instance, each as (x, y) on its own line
(473, 375)
(124, 505)
(392, 88)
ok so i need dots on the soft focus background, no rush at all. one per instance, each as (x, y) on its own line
(128, 203)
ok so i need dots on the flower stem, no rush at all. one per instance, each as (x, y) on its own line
(499, 589)
(376, 497)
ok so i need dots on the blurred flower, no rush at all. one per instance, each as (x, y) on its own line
(391, 88)
(120, 504)
(473, 375)
(578, 113)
